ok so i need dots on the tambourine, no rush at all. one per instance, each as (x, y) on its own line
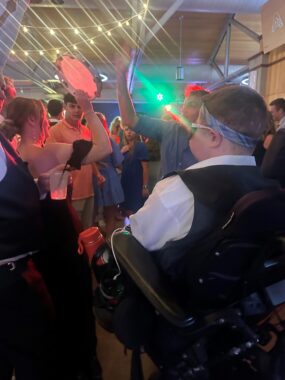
(74, 75)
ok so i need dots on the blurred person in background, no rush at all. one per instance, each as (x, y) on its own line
(172, 135)
(274, 160)
(55, 111)
(135, 171)
(116, 132)
(109, 193)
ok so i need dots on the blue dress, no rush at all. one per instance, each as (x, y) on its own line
(111, 193)
(132, 177)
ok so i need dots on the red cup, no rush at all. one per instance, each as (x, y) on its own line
(89, 241)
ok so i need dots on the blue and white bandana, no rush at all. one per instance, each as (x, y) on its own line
(227, 132)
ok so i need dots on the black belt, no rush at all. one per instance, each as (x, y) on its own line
(11, 272)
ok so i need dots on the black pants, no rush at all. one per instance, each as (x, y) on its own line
(26, 327)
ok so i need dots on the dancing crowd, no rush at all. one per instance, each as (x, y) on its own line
(173, 179)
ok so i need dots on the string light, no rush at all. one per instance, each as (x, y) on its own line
(77, 31)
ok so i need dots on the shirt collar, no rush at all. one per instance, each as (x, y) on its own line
(225, 160)
(281, 124)
(71, 126)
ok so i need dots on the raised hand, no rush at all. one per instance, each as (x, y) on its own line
(122, 60)
(83, 100)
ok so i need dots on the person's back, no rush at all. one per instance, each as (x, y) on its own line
(274, 159)
(55, 111)
(183, 209)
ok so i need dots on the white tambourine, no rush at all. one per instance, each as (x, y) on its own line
(74, 75)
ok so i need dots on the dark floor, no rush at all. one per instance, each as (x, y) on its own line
(114, 361)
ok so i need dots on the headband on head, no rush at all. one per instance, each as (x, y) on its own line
(229, 133)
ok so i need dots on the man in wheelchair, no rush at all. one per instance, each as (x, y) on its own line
(205, 295)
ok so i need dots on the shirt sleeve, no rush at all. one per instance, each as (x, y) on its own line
(152, 128)
(167, 215)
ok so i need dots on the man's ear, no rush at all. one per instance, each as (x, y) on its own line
(215, 138)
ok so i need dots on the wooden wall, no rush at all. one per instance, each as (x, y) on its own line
(275, 76)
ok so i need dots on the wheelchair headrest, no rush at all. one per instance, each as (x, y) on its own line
(258, 212)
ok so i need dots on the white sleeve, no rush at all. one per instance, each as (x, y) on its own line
(3, 163)
(166, 216)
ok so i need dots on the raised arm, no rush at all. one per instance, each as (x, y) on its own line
(127, 110)
(101, 143)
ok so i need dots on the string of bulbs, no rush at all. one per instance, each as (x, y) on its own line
(77, 31)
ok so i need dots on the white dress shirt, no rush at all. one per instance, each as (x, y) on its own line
(281, 124)
(168, 213)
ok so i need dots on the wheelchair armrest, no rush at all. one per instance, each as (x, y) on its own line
(139, 265)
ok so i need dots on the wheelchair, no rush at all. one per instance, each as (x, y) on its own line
(224, 318)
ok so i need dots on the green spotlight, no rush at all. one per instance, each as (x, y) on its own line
(159, 97)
